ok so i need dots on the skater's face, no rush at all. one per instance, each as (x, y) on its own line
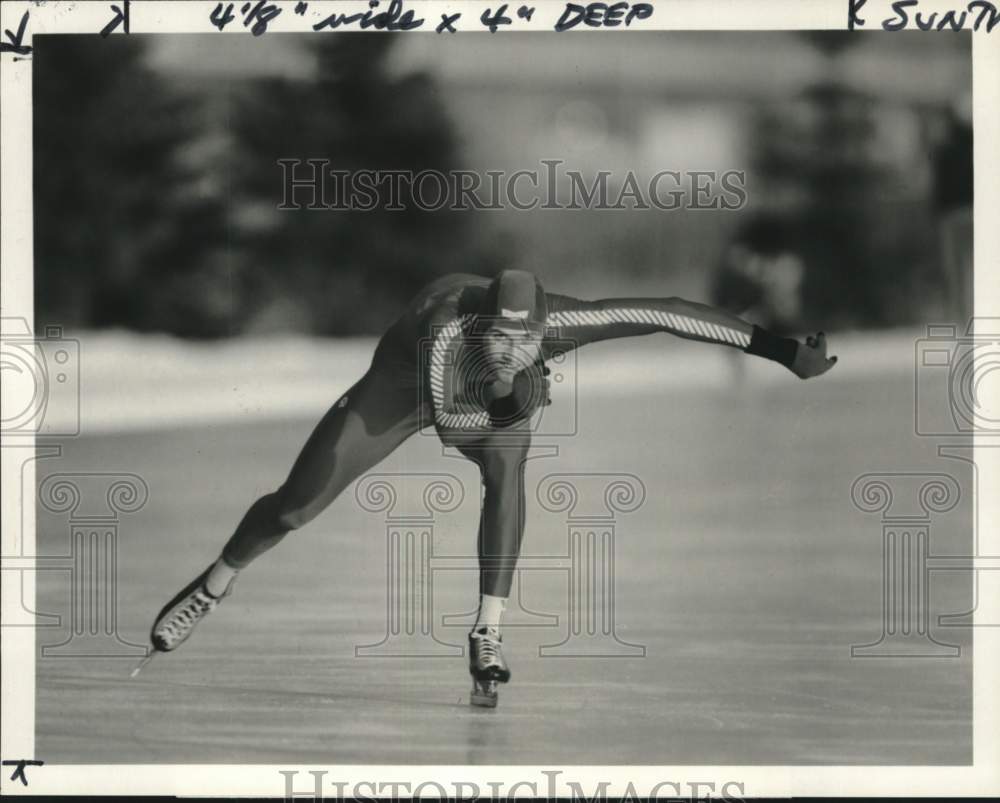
(510, 349)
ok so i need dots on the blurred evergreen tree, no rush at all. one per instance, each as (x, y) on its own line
(123, 237)
(342, 272)
(156, 206)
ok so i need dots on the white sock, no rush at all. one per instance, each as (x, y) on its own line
(490, 612)
(218, 578)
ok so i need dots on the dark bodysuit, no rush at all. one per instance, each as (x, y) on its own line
(420, 376)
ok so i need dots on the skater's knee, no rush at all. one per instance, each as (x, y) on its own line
(289, 513)
(505, 461)
(292, 517)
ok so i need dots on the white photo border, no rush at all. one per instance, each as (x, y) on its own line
(16, 258)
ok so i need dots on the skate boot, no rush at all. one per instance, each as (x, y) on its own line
(177, 620)
(487, 666)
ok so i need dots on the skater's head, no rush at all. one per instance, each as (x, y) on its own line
(515, 298)
(511, 322)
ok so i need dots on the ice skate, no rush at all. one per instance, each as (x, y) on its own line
(178, 618)
(487, 666)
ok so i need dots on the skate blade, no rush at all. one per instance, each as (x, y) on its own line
(143, 663)
(484, 696)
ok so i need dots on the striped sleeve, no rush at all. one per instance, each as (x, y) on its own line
(449, 411)
(581, 322)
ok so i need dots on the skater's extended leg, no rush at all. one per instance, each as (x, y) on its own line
(361, 429)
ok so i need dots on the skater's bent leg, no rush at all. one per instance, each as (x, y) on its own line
(351, 438)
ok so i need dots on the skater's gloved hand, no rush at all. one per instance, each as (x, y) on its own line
(508, 403)
(810, 358)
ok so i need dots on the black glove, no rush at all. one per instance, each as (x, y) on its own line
(529, 391)
(805, 360)
(810, 358)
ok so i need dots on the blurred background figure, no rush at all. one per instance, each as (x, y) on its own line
(953, 185)
(759, 278)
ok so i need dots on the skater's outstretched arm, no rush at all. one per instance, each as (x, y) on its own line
(582, 322)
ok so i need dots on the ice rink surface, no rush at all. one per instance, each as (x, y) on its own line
(746, 574)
